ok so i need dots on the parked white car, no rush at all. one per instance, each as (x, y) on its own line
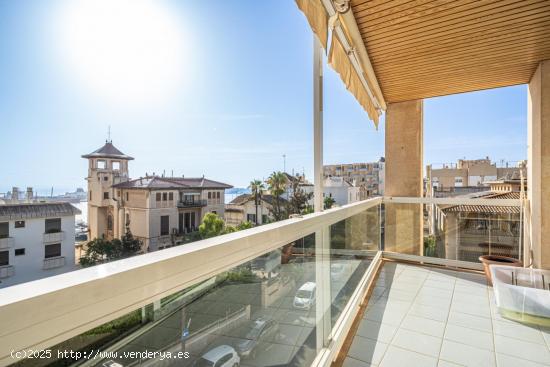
(222, 356)
(305, 297)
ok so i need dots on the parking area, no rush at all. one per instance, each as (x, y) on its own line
(258, 316)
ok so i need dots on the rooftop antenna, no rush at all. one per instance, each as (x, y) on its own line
(284, 162)
(109, 134)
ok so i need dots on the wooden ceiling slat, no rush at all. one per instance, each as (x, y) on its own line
(504, 32)
(458, 76)
(376, 5)
(522, 51)
(511, 36)
(399, 96)
(512, 10)
(417, 9)
(458, 84)
(450, 79)
(453, 90)
(519, 50)
(402, 76)
(517, 79)
(377, 22)
(429, 48)
(454, 36)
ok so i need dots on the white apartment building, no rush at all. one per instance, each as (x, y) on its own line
(369, 175)
(342, 191)
(36, 241)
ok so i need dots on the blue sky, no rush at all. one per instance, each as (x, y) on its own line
(239, 97)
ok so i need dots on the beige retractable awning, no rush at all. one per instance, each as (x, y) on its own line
(317, 18)
(339, 60)
(343, 55)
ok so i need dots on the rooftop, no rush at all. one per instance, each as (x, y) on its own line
(244, 198)
(158, 183)
(492, 209)
(36, 210)
(108, 151)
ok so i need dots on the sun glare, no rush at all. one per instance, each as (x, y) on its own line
(127, 50)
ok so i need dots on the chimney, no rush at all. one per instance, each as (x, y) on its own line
(29, 195)
(15, 194)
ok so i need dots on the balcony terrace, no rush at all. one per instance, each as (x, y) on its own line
(54, 237)
(357, 285)
(191, 203)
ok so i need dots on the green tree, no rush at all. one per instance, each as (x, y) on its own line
(130, 244)
(277, 184)
(212, 225)
(257, 187)
(328, 202)
(244, 225)
(298, 202)
(100, 250)
(430, 248)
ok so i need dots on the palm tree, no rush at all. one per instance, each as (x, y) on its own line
(257, 187)
(277, 183)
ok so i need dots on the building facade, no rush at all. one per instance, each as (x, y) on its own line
(243, 209)
(155, 209)
(470, 173)
(370, 176)
(343, 191)
(36, 241)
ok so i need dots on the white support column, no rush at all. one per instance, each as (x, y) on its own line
(317, 124)
(537, 249)
(322, 239)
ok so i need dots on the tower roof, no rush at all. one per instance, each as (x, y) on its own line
(108, 151)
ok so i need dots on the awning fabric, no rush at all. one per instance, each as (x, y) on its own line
(317, 18)
(338, 59)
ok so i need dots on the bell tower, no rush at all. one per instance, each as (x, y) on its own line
(107, 166)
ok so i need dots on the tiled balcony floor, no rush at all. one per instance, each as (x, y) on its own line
(420, 316)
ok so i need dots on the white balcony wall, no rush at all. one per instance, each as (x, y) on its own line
(6, 271)
(56, 237)
(54, 262)
(6, 243)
